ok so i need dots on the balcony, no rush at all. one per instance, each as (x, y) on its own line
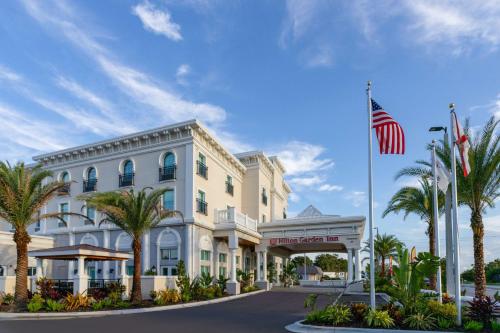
(90, 185)
(201, 206)
(264, 199)
(65, 190)
(201, 169)
(231, 216)
(229, 188)
(126, 179)
(168, 173)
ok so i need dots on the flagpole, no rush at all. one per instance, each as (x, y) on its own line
(458, 296)
(370, 199)
(450, 252)
(436, 220)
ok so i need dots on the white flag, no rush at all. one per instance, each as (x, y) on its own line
(443, 177)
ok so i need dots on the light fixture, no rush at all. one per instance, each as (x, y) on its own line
(437, 129)
(153, 269)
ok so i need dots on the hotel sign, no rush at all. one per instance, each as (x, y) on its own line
(303, 240)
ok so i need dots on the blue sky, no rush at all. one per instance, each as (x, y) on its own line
(286, 77)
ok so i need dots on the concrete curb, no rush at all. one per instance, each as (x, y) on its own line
(298, 327)
(68, 315)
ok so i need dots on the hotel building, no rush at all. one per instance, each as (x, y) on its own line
(234, 207)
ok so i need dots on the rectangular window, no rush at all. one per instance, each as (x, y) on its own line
(205, 255)
(229, 185)
(201, 204)
(168, 200)
(31, 271)
(168, 270)
(201, 195)
(64, 208)
(222, 271)
(38, 223)
(263, 218)
(169, 254)
(205, 269)
(202, 159)
(130, 270)
(237, 260)
(222, 257)
(201, 166)
(164, 271)
(173, 271)
(90, 215)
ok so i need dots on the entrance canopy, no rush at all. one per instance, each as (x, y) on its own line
(312, 231)
(74, 252)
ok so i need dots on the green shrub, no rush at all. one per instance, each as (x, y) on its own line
(395, 312)
(337, 315)
(473, 326)
(420, 321)
(495, 327)
(358, 311)
(122, 305)
(206, 280)
(315, 317)
(379, 319)
(481, 309)
(444, 323)
(102, 304)
(310, 301)
(222, 283)
(446, 311)
(36, 303)
(6, 298)
(53, 305)
(167, 296)
(248, 289)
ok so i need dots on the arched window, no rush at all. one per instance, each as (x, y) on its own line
(65, 177)
(168, 160)
(91, 174)
(168, 169)
(128, 168)
(264, 196)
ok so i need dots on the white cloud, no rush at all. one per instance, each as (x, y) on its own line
(306, 181)
(300, 16)
(294, 197)
(7, 74)
(321, 56)
(181, 75)
(301, 157)
(330, 188)
(157, 21)
(357, 198)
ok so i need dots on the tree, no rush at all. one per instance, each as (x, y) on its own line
(134, 213)
(331, 263)
(479, 189)
(385, 246)
(418, 201)
(22, 196)
(299, 261)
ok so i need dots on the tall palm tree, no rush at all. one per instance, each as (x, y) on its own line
(22, 195)
(418, 201)
(135, 213)
(478, 190)
(385, 246)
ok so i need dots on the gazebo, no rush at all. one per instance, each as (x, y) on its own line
(80, 253)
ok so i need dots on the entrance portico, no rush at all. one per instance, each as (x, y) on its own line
(311, 232)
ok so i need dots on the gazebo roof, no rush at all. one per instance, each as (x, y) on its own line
(82, 250)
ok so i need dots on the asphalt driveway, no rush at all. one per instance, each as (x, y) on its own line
(266, 312)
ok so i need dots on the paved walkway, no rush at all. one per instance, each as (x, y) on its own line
(267, 312)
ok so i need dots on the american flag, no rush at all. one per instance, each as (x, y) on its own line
(390, 135)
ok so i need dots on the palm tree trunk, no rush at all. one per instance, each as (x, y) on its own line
(432, 250)
(382, 272)
(136, 296)
(478, 234)
(21, 238)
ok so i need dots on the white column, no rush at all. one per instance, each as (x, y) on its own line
(105, 264)
(189, 185)
(188, 253)
(349, 265)
(216, 260)
(80, 280)
(71, 264)
(233, 264)
(258, 253)
(264, 265)
(39, 268)
(124, 278)
(357, 265)
(145, 252)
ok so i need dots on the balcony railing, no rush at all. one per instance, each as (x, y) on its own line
(229, 188)
(201, 206)
(264, 199)
(126, 179)
(89, 185)
(168, 173)
(230, 215)
(201, 169)
(65, 190)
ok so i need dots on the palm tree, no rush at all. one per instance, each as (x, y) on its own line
(419, 201)
(385, 246)
(478, 190)
(134, 213)
(22, 195)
